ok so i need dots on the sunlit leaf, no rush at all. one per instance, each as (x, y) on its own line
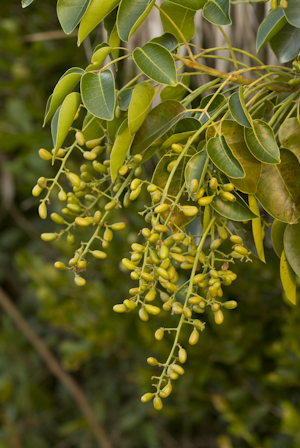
(70, 12)
(120, 149)
(95, 13)
(140, 104)
(131, 14)
(257, 228)
(288, 278)
(98, 94)
(156, 62)
(278, 229)
(181, 16)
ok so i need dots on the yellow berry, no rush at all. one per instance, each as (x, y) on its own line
(99, 254)
(182, 355)
(79, 281)
(194, 337)
(161, 208)
(165, 392)
(159, 334)
(231, 304)
(83, 222)
(189, 210)
(120, 308)
(80, 138)
(118, 226)
(59, 265)
(146, 397)
(44, 154)
(42, 210)
(110, 205)
(152, 361)
(151, 309)
(206, 200)
(157, 403)
(36, 191)
(219, 317)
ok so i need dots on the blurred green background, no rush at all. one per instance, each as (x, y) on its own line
(241, 387)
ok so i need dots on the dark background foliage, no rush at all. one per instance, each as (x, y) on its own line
(241, 387)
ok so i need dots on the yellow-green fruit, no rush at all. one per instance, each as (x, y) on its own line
(177, 309)
(74, 179)
(42, 210)
(164, 296)
(93, 143)
(83, 222)
(215, 307)
(99, 254)
(146, 397)
(213, 183)
(205, 200)
(187, 312)
(62, 195)
(57, 218)
(59, 265)
(120, 308)
(150, 296)
(226, 196)
(171, 166)
(128, 264)
(98, 150)
(126, 200)
(144, 316)
(198, 278)
(231, 304)
(157, 403)
(176, 148)
(36, 191)
(182, 355)
(154, 256)
(108, 235)
(163, 273)
(194, 300)
(173, 376)
(123, 170)
(156, 197)
(274, 5)
(99, 167)
(129, 304)
(146, 232)
(97, 216)
(159, 334)
(135, 193)
(235, 254)
(152, 361)
(216, 244)
(236, 239)
(222, 232)
(178, 257)
(110, 205)
(194, 337)
(44, 154)
(189, 210)
(153, 238)
(194, 186)
(135, 184)
(151, 188)
(219, 317)
(148, 277)
(163, 252)
(151, 309)
(74, 208)
(200, 194)
(60, 153)
(161, 228)
(161, 208)
(79, 281)
(228, 187)
(81, 264)
(165, 392)
(241, 250)
(118, 226)
(80, 138)
(198, 309)
(89, 155)
(177, 369)
(213, 291)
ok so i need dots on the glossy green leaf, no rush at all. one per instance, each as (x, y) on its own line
(278, 188)
(26, 3)
(64, 86)
(237, 110)
(156, 62)
(124, 97)
(191, 4)
(70, 12)
(286, 43)
(95, 13)
(115, 42)
(113, 126)
(218, 101)
(291, 243)
(217, 12)
(98, 94)
(234, 136)
(160, 178)
(140, 104)
(292, 13)
(289, 135)
(92, 127)
(269, 27)
(235, 211)
(131, 14)
(220, 154)
(158, 122)
(166, 40)
(194, 169)
(63, 120)
(244, 230)
(101, 52)
(183, 130)
(257, 228)
(261, 142)
(181, 16)
(288, 278)
(176, 92)
(120, 149)
(278, 229)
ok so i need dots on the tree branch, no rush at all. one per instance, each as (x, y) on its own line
(54, 366)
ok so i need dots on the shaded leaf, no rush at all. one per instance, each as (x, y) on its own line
(191, 4)
(65, 85)
(261, 142)
(131, 14)
(98, 94)
(92, 127)
(217, 102)
(237, 110)
(195, 168)
(157, 123)
(292, 13)
(181, 16)
(269, 27)
(166, 40)
(257, 228)
(279, 186)
(140, 104)
(291, 243)
(113, 126)
(289, 135)
(286, 43)
(217, 12)
(120, 149)
(26, 3)
(70, 12)
(176, 92)
(235, 211)
(288, 279)
(156, 62)
(221, 155)
(278, 229)
(95, 13)
(244, 230)
(124, 97)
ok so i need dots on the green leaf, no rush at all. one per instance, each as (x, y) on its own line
(220, 154)
(289, 135)
(65, 85)
(26, 3)
(157, 123)
(183, 130)
(191, 4)
(92, 127)
(292, 13)
(234, 136)
(113, 126)
(114, 42)
(131, 14)
(217, 102)
(140, 104)
(257, 228)
(278, 229)
(217, 12)
(286, 43)
(95, 13)
(157, 63)
(261, 142)
(235, 211)
(70, 12)
(166, 40)
(269, 27)
(279, 186)
(120, 149)
(181, 16)
(288, 279)
(124, 97)
(237, 110)
(194, 169)
(176, 92)
(160, 178)
(63, 120)
(98, 94)
(244, 230)
(101, 52)
(291, 242)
